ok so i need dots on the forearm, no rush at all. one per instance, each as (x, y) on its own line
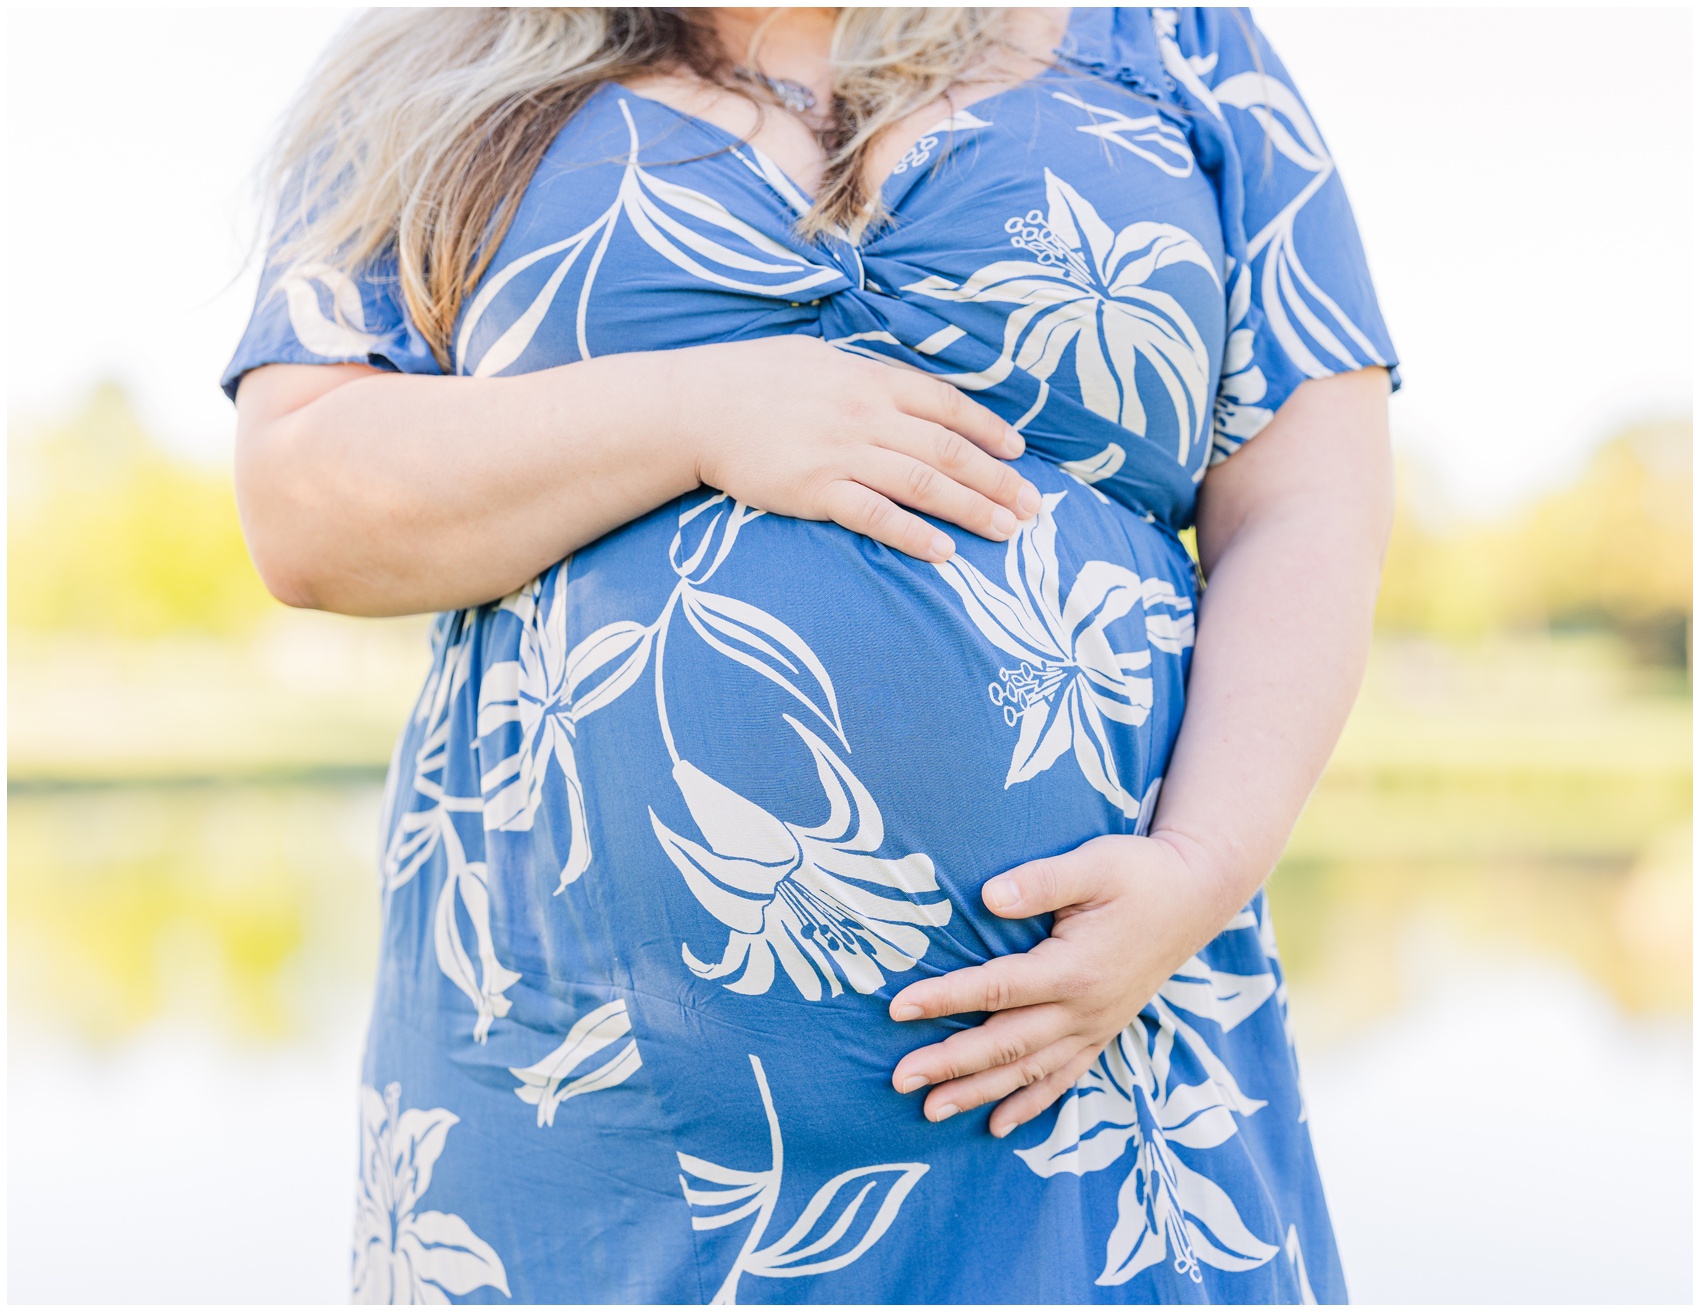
(1283, 638)
(388, 493)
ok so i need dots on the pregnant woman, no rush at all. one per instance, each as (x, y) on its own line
(800, 879)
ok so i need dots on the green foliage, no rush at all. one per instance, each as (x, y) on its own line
(1612, 551)
(108, 534)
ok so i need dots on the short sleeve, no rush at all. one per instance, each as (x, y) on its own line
(316, 314)
(1300, 300)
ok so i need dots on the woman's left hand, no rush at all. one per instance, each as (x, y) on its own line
(1128, 913)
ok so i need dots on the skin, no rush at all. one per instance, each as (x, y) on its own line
(373, 493)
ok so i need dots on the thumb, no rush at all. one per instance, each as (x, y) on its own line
(1048, 884)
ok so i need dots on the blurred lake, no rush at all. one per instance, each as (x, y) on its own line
(1485, 912)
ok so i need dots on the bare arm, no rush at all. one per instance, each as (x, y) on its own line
(376, 493)
(1291, 531)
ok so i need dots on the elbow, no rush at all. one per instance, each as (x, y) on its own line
(289, 527)
(289, 582)
(283, 560)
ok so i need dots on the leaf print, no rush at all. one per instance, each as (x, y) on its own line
(418, 833)
(467, 884)
(1217, 995)
(817, 901)
(1295, 1255)
(835, 1230)
(1303, 317)
(752, 637)
(1131, 1100)
(341, 333)
(1148, 137)
(402, 1255)
(707, 531)
(690, 229)
(542, 1083)
(1067, 680)
(428, 828)
(1085, 287)
(1095, 469)
(844, 1219)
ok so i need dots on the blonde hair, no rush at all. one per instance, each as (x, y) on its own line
(416, 134)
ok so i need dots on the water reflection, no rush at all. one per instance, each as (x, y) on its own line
(1484, 912)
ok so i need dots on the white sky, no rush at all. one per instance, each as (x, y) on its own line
(1522, 178)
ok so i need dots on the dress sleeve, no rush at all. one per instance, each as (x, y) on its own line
(315, 314)
(1300, 300)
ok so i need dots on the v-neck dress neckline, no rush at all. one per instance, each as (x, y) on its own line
(734, 143)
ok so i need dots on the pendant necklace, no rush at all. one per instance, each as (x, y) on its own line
(794, 96)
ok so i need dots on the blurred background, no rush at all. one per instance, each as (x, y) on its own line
(1486, 912)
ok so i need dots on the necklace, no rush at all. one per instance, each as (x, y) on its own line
(794, 96)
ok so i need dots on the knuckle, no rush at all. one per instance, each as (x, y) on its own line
(995, 996)
(1008, 1052)
(879, 515)
(1031, 1070)
(1039, 881)
(953, 450)
(922, 481)
(1005, 481)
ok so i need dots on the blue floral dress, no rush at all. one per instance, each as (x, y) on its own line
(671, 824)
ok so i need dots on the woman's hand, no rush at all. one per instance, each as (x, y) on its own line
(1290, 532)
(792, 425)
(1128, 913)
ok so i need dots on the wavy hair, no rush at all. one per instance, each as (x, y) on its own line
(419, 129)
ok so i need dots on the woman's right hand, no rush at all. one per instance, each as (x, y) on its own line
(798, 427)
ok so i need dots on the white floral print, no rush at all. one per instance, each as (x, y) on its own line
(845, 1218)
(1065, 679)
(1239, 417)
(1147, 136)
(545, 1083)
(340, 333)
(692, 230)
(1129, 1102)
(428, 827)
(403, 1255)
(534, 861)
(546, 692)
(1085, 286)
(817, 900)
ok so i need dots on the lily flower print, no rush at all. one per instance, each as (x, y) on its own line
(429, 827)
(1085, 286)
(1065, 679)
(1239, 416)
(545, 1084)
(545, 692)
(402, 1255)
(816, 900)
(1130, 1101)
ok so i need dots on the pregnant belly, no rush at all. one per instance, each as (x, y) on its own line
(784, 758)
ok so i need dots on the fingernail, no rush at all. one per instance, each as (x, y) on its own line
(998, 1134)
(945, 1112)
(1003, 522)
(1000, 894)
(1027, 501)
(943, 547)
(906, 1011)
(911, 1083)
(1017, 441)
